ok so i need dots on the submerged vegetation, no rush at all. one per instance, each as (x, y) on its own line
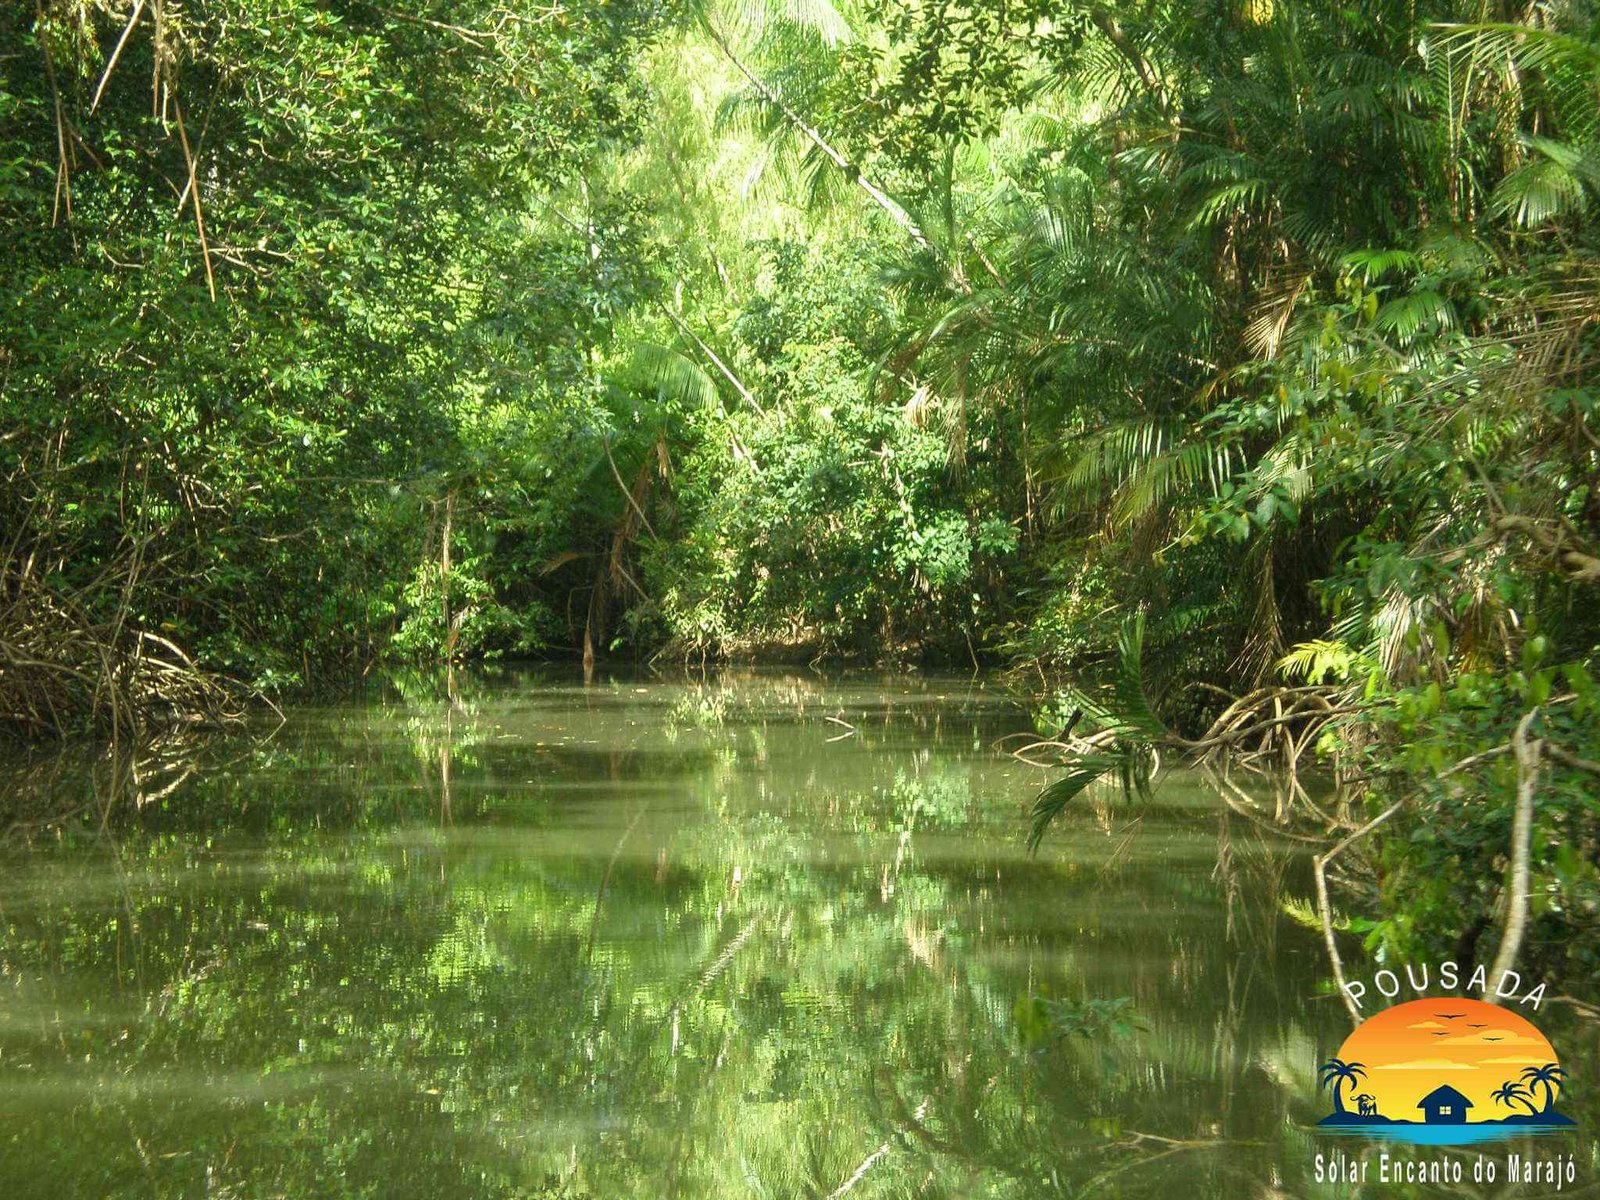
(1241, 356)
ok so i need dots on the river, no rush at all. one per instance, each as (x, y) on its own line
(650, 938)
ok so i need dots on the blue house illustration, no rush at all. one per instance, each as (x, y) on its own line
(1445, 1106)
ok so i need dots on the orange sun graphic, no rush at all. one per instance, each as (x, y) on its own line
(1406, 1052)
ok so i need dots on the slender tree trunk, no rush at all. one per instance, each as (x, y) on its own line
(1107, 24)
(745, 393)
(883, 200)
(594, 621)
(444, 573)
(1519, 874)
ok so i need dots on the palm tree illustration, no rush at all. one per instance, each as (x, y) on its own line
(1338, 1072)
(1549, 1077)
(1511, 1092)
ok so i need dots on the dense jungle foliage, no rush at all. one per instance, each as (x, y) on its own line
(945, 330)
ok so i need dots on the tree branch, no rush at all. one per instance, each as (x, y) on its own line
(1517, 877)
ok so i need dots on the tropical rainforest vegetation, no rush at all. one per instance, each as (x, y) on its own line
(1240, 355)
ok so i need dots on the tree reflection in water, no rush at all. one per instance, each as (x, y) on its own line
(649, 939)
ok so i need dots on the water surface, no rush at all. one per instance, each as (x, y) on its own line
(652, 939)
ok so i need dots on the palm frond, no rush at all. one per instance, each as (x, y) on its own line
(674, 377)
(1052, 801)
(1542, 189)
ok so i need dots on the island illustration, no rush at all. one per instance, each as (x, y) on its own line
(1444, 1072)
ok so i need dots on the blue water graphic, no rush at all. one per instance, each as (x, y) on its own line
(1443, 1135)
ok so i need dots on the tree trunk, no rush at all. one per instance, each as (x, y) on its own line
(879, 196)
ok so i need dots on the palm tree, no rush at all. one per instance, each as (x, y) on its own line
(1511, 1092)
(1549, 1077)
(1338, 1072)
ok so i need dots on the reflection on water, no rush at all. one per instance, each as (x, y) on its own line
(767, 936)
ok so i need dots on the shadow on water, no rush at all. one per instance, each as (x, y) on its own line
(773, 935)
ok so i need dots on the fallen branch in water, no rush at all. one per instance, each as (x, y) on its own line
(1240, 801)
(849, 729)
(1276, 724)
(1280, 722)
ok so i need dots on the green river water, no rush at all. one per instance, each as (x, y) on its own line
(649, 938)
